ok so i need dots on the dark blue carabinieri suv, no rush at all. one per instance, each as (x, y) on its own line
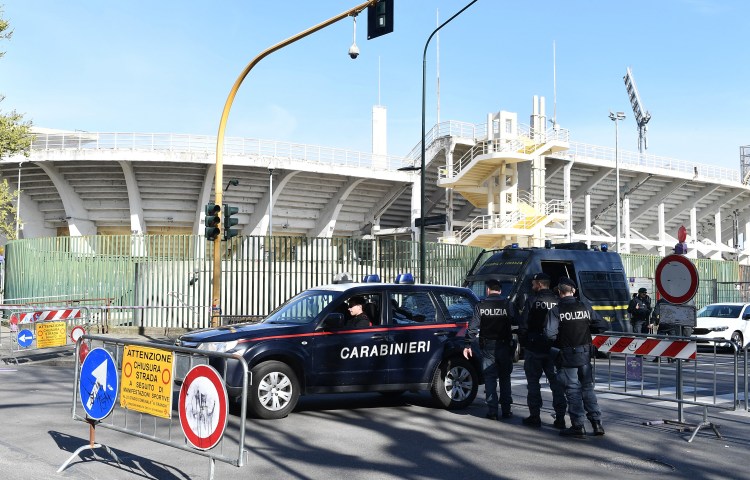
(412, 340)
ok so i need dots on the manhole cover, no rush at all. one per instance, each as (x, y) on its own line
(638, 465)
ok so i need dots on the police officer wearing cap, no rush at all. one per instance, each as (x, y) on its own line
(536, 357)
(492, 323)
(569, 325)
(640, 311)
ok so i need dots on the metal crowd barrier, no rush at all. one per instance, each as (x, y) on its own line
(145, 410)
(35, 328)
(671, 369)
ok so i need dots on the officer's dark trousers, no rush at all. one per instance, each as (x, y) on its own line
(534, 364)
(497, 363)
(579, 391)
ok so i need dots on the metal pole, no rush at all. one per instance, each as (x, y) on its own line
(269, 247)
(617, 184)
(18, 201)
(219, 180)
(422, 242)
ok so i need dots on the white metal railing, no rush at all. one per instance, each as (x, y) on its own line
(171, 142)
(328, 155)
(636, 159)
(486, 222)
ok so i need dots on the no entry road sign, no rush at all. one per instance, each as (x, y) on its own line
(203, 407)
(676, 278)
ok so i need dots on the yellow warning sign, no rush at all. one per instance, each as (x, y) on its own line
(51, 334)
(146, 384)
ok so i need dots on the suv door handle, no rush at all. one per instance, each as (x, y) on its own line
(442, 332)
(380, 336)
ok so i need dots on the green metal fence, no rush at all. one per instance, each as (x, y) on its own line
(164, 281)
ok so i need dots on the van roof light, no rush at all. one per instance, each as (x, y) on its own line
(604, 247)
(371, 278)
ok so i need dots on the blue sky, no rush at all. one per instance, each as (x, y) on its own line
(168, 66)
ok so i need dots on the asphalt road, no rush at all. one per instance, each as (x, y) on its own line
(369, 436)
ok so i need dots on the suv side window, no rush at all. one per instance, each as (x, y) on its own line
(412, 307)
(460, 307)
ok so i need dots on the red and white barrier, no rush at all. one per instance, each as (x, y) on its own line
(48, 315)
(646, 346)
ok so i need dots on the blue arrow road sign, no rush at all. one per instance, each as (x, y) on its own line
(98, 384)
(25, 337)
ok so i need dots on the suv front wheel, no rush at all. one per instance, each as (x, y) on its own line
(455, 383)
(274, 390)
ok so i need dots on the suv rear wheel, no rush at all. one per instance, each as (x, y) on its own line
(274, 391)
(455, 383)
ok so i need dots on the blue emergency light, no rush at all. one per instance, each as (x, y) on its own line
(404, 278)
(371, 278)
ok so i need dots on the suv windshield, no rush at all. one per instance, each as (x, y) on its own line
(304, 308)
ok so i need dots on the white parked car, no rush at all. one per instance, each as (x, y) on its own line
(725, 320)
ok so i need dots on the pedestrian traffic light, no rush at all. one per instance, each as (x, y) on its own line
(379, 18)
(229, 222)
(212, 221)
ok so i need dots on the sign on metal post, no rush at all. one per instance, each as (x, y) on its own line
(98, 384)
(676, 278)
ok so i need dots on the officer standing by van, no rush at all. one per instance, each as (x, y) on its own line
(492, 323)
(569, 325)
(640, 311)
(536, 357)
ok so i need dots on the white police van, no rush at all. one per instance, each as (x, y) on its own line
(414, 342)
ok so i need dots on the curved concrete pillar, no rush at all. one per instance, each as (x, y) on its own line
(326, 223)
(258, 223)
(79, 223)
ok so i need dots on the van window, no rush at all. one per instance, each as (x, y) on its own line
(603, 286)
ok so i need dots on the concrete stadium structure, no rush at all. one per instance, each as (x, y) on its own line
(496, 182)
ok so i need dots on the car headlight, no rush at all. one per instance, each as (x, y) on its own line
(718, 329)
(221, 347)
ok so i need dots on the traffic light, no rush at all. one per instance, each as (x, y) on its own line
(212, 221)
(379, 18)
(229, 222)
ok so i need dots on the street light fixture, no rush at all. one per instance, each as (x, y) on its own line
(615, 117)
(422, 242)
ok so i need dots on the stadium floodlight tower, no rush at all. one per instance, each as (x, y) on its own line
(641, 114)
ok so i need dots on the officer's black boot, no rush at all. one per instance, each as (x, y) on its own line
(559, 422)
(597, 425)
(532, 421)
(574, 431)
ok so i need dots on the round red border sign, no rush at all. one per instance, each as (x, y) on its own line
(676, 279)
(203, 407)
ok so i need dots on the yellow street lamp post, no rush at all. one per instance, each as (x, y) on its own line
(216, 288)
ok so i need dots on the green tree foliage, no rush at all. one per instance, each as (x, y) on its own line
(15, 137)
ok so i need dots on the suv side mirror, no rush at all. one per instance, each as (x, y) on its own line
(746, 316)
(332, 321)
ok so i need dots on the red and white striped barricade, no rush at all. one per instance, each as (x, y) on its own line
(656, 347)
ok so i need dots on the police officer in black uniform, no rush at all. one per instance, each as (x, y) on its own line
(492, 322)
(536, 357)
(569, 325)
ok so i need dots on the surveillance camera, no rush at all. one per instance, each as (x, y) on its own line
(353, 51)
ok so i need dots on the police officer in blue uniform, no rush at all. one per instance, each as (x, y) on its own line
(569, 325)
(536, 357)
(492, 323)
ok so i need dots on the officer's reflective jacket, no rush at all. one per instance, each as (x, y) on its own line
(493, 319)
(534, 317)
